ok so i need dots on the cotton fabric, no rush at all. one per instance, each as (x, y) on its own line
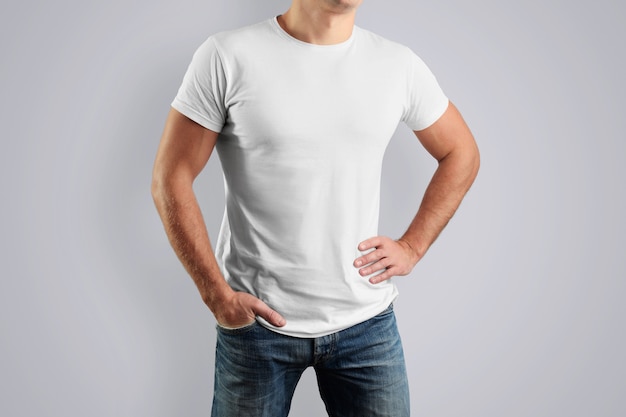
(303, 131)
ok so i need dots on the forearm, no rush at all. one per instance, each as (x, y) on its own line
(451, 143)
(452, 179)
(187, 233)
(183, 152)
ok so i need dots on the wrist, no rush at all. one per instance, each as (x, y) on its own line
(412, 248)
(215, 298)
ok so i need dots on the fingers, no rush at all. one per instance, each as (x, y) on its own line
(371, 243)
(384, 255)
(369, 258)
(379, 244)
(383, 276)
(380, 265)
(271, 316)
(243, 308)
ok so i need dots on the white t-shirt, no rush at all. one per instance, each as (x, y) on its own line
(304, 129)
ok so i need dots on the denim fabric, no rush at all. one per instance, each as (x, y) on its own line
(360, 370)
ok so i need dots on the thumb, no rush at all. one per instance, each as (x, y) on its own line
(271, 316)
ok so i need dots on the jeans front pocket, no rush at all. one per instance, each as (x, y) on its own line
(236, 330)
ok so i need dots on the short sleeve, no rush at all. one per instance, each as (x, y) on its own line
(201, 97)
(426, 102)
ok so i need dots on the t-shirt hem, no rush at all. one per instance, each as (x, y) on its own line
(334, 329)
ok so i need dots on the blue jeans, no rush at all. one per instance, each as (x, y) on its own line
(360, 370)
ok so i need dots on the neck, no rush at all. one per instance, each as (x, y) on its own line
(319, 22)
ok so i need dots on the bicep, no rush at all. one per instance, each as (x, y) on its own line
(184, 149)
(448, 134)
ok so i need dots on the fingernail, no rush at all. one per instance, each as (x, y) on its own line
(358, 263)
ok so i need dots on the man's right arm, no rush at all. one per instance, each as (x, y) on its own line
(183, 152)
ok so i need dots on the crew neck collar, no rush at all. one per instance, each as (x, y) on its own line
(287, 36)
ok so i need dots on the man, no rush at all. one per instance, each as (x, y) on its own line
(301, 108)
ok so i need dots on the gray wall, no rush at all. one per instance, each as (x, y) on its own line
(516, 311)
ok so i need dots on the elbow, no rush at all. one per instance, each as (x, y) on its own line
(158, 187)
(475, 164)
(155, 186)
(472, 166)
(170, 186)
(471, 156)
(466, 163)
(463, 163)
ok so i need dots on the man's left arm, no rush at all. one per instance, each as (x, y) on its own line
(451, 143)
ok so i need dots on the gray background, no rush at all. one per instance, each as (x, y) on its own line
(516, 311)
